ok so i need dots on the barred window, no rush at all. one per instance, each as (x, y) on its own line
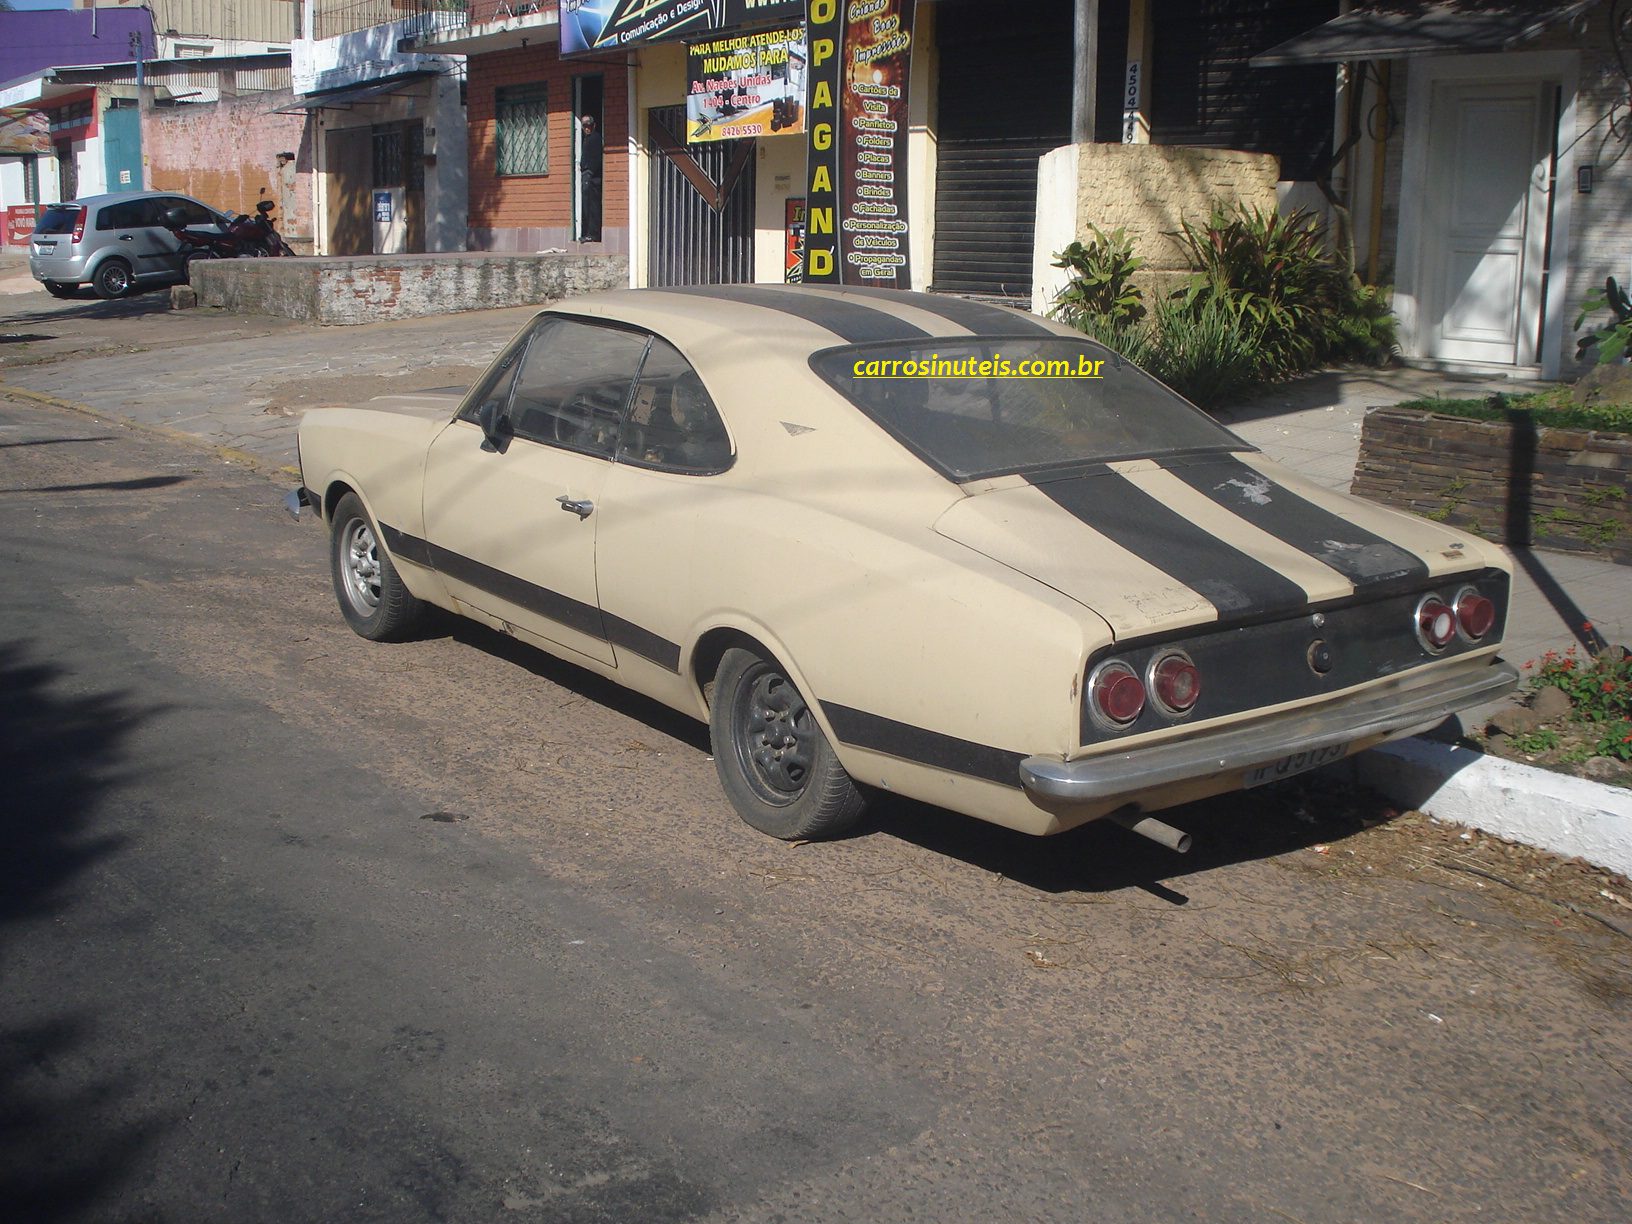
(523, 126)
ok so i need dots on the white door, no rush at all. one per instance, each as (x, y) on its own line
(1485, 220)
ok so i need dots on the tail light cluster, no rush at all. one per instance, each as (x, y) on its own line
(1117, 694)
(1469, 615)
(79, 223)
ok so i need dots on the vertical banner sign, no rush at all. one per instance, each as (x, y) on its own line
(860, 55)
(825, 31)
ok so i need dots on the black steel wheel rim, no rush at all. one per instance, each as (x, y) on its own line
(775, 736)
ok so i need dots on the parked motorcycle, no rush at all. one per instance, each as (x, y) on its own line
(244, 236)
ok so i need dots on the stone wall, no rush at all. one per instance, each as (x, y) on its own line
(376, 288)
(1565, 489)
(1147, 190)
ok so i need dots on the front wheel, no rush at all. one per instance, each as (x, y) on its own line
(112, 279)
(776, 766)
(372, 596)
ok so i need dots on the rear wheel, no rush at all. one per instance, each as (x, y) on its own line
(372, 596)
(112, 279)
(776, 766)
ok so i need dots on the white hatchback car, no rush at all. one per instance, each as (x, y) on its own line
(113, 243)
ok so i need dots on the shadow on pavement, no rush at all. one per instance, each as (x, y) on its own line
(61, 1147)
(1099, 857)
(135, 485)
(1102, 857)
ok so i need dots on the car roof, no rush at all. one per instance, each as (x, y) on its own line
(716, 320)
(113, 197)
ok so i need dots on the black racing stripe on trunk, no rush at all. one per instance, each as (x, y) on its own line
(978, 317)
(1237, 585)
(541, 601)
(860, 729)
(851, 321)
(1367, 560)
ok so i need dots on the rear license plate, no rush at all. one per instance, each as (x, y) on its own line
(1295, 763)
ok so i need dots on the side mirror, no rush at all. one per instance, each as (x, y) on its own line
(496, 428)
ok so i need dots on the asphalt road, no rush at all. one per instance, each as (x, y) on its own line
(299, 927)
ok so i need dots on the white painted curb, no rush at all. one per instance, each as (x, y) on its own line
(1571, 816)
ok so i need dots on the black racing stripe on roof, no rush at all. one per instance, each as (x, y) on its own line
(978, 317)
(1365, 559)
(852, 321)
(1239, 586)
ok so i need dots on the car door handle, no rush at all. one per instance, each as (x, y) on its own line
(581, 508)
(127, 237)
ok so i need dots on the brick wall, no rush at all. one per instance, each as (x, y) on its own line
(1566, 489)
(226, 154)
(534, 212)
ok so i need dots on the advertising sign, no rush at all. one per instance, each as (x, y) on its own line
(860, 55)
(19, 223)
(588, 26)
(745, 85)
(24, 131)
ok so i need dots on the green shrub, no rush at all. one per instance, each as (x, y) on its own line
(1608, 342)
(1101, 288)
(1599, 687)
(1208, 355)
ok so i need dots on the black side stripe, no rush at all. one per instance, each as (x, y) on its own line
(541, 601)
(879, 734)
(1367, 560)
(978, 317)
(852, 321)
(1236, 584)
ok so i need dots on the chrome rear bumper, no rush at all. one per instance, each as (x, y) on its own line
(1366, 716)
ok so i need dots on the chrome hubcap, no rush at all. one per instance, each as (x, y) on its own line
(361, 568)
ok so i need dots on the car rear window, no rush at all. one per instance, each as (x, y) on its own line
(990, 407)
(58, 219)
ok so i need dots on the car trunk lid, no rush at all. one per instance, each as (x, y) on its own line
(1156, 545)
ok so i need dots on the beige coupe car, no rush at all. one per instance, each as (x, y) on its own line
(893, 541)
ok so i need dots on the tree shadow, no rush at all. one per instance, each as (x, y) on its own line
(61, 1148)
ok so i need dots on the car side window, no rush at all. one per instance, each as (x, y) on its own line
(126, 214)
(573, 384)
(672, 423)
(195, 212)
(500, 381)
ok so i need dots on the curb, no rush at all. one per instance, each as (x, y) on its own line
(1551, 811)
(227, 454)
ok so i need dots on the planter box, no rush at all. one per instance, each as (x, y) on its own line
(1509, 481)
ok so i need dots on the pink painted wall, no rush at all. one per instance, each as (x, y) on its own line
(226, 154)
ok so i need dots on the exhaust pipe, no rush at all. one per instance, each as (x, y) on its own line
(1176, 840)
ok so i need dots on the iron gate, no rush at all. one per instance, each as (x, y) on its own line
(702, 203)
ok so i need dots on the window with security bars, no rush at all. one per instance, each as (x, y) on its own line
(523, 129)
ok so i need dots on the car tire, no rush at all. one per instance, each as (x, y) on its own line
(59, 290)
(776, 766)
(372, 596)
(112, 279)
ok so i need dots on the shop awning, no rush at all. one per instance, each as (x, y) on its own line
(1394, 29)
(352, 95)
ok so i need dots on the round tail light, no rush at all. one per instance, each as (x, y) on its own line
(1175, 683)
(1475, 614)
(1118, 695)
(1436, 623)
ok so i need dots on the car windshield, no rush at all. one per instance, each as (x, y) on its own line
(989, 407)
(58, 219)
